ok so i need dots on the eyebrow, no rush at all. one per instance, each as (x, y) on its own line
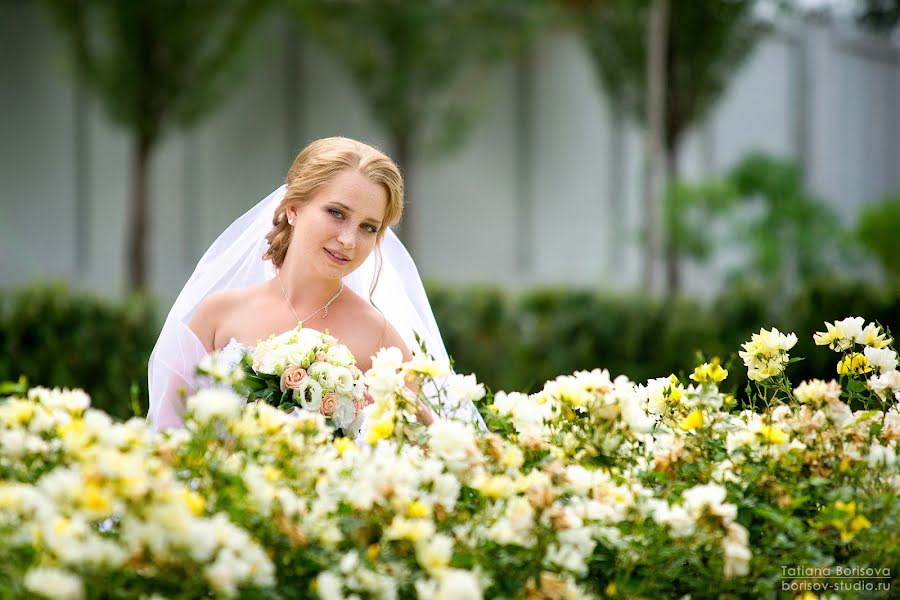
(350, 210)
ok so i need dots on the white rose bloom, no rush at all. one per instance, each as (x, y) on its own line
(73, 401)
(853, 328)
(881, 455)
(384, 382)
(211, 404)
(421, 363)
(736, 550)
(456, 584)
(13, 442)
(345, 413)
(886, 385)
(330, 586)
(884, 359)
(504, 403)
(388, 359)
(222, 575)
(341, 355)
(452, 442)
(54, 583)
(462, 389)
(632, 410)
(434, 553)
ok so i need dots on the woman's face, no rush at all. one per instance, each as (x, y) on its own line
(336, 230)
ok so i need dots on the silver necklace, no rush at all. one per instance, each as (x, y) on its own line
(291, 306)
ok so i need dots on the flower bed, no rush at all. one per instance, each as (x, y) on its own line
(594, 486)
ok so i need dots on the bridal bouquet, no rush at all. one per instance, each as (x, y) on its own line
(304, 369)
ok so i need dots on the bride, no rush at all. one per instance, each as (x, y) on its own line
(317, 251)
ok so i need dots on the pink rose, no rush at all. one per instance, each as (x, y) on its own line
(329, 404)
(321, 356)
(292, 378)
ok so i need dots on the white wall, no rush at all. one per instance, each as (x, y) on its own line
(546, 188)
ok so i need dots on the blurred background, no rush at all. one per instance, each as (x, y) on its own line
(612, 183)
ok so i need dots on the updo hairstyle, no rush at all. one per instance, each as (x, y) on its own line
(319, 163)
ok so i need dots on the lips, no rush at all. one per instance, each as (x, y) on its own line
(337, 257)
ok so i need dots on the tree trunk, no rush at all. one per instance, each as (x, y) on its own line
(673, 264)
(402, 155)
(137, 238)
(657, 41)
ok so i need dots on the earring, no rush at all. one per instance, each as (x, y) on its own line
(291, 222)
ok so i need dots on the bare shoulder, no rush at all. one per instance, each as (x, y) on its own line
(212, 311)
(392, 339)
(373, 331)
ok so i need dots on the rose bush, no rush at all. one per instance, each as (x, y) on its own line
(595, 486)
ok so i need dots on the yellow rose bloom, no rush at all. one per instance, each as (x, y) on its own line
(709, 372)
(692, 421)
(854, 362)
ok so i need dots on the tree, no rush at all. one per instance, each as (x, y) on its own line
(705, 43)
(408, 58)
(153, 64)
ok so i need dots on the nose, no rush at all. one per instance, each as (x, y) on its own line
(347, 237)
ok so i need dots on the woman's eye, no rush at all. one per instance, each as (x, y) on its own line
(370, 228)
(335, 213)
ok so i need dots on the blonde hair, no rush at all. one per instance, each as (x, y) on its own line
(319, 163)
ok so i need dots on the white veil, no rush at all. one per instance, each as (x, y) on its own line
(235, 260)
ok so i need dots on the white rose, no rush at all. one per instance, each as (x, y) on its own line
(345, 413)
(883, 358)
(54, 583)
(210, 404)
(457, 584)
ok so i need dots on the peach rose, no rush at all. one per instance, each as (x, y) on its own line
(292, 378)
(329, 404)
(321, 356)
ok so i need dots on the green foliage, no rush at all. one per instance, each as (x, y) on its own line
(409, 58)
(877, 232)
(512, 341)
(788, 235)
(708, 40)
(56, 338)
(518, 341)
(157, 63)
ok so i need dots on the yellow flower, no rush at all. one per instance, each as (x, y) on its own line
(692, 421)
(416, 509)
(834, 337)
(272, 473)
(709, 372)
(345, 444)
(372, 551)
(859, 522)
(96, 500)
(380, 430)
(675, 392)
(773, 435)
(854, 362)
(611, 589)
(852, 523)
(847, 507)
(194, 501)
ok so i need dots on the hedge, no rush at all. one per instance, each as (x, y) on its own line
(512, 341)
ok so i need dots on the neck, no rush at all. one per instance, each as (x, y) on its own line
(304, 287)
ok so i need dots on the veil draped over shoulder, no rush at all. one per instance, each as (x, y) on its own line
(235, 260)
